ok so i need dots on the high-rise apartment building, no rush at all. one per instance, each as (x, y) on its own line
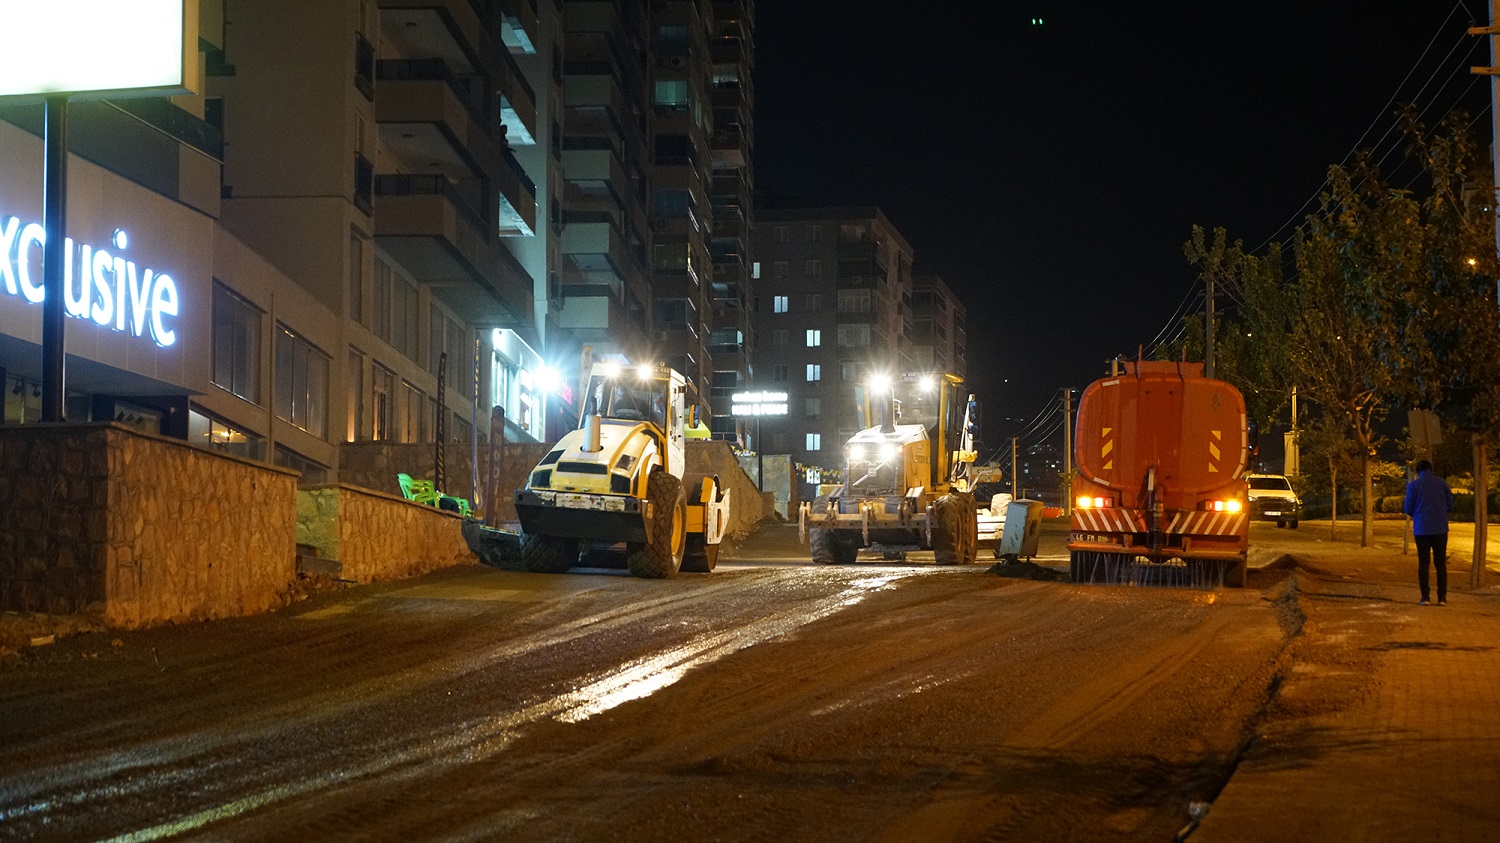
(657, 141)
(939, 334)
(832, 305)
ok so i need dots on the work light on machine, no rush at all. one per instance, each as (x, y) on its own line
(888, 452)
(879, 382)
(857, 453)
(1092, 502)
(645, 371)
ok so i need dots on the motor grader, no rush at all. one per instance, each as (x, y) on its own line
(618, 482)
(907, 483)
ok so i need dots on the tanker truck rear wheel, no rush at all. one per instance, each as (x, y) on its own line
(548, 554)
(829, 548)
(660, 556)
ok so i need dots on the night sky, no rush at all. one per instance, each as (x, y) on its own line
(1051, 173)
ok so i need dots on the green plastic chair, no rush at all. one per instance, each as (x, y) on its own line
(422, 491)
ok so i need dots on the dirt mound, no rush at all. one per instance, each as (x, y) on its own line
(1017, 569)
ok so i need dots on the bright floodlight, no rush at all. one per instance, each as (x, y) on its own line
(550, 380)
(887, 452)
(645, 371)
(856, 453)
(879, 382)
(611, 370)
(927, 383)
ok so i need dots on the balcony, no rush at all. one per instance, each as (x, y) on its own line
(426, 92)
(517, 103)
(518, 25)
(597, 249)
(433, 185)
(517, 216)
(451, 30)
(433, 230)
(596, 171)
(729, 148)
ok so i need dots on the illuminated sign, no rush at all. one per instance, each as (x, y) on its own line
(104, 48)
(758, 404)
(97, 284)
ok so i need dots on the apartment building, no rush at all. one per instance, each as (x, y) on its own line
(939, 334)
(335, 208)
(832, 305)
(656, 158)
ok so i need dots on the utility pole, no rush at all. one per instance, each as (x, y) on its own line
(1481, 455)
(1067, 451)
(1015, 472)
(1208, 325)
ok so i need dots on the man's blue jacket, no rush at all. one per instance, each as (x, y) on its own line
(1428, 502)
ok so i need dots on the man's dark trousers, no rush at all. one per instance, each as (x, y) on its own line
(1433, 549)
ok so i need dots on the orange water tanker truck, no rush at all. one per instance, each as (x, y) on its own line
(1161, 496)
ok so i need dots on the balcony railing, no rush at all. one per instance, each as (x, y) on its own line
(430, 185)
(364, 67)
(468, 89)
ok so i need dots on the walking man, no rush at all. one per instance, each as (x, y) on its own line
(1428, 502)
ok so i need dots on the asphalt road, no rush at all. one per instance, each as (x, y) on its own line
(769, 700)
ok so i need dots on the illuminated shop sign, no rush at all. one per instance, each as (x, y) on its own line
(98, 48)
(758, 404)
(98, 284)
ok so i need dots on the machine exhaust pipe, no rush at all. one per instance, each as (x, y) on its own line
(591, 437)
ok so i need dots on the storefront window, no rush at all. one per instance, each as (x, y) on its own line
(208, 432)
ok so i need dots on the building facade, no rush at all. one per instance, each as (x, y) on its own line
(380, 218)
(832, 305)
(939, 333)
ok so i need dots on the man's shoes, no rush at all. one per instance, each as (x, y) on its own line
(1423, 603)
(1442, 602)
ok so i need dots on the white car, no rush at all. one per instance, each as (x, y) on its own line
(1272, 499)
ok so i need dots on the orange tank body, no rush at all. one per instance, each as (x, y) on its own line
(1161, 451)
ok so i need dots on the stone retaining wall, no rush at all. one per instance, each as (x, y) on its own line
(377, 536)
(374, 465)
(141, 529)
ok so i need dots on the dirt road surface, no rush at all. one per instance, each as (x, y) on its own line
(770, 700)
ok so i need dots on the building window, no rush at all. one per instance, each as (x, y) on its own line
(382, 387)
(671, 93)
(854, 336)
(779, 234)
(356, 276)
(779, 338)
(301, 383)
(313, 473)
(814, 372)
(813, 268)
(206, 431)
(854, 301)
(236, 351)
(779, 372)
(815, 234)
(848, 370)
(814, 337)
(355, 413)
(814, 441)
(415, 412)
(814, 407)
(779, 304)
(814, 302)
(396, 314)
(446, 335)
(778, 269)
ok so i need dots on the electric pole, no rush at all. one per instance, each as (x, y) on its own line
(1015, 472)
(1208, 325)
(1067, 451)
(1481, 455)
